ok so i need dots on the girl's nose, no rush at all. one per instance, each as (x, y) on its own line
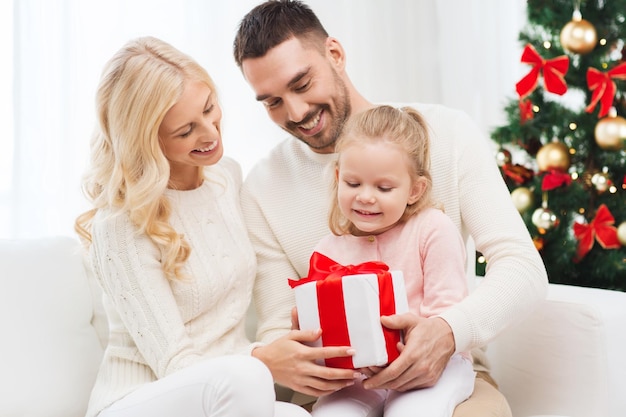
(365, 196)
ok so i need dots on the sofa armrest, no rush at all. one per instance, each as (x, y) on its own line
(50, 348)
(567, 357)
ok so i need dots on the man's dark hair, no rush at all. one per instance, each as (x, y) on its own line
(273, 22)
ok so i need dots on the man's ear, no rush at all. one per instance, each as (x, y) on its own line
(417, 190)
(336, 53)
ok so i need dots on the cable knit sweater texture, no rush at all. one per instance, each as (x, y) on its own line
(285, 201)
(159, 326)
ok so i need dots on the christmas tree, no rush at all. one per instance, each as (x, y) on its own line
(563, 151)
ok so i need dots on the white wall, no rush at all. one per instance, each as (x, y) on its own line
(462, 53)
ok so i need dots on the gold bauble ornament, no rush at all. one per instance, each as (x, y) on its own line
(579, 35)
(544, 219)
(610, 132)
(554, 155)
(523, 199)
(621, 233)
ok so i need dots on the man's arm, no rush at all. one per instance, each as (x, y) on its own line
(285, 352)
(516, 279)
(272, 295)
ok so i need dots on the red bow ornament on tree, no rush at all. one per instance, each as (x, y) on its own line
(526, 110)
(518, 173)
(555, 179)
(600, 228)
(603, 87)
(554, 71)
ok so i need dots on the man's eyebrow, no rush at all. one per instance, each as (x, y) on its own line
(300, 75)
(296, 78)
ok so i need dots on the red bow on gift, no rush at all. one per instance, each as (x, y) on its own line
(327, 273)
(555, 179)
(554, 71)
(600, 228)
(322, 267)
(603, 87)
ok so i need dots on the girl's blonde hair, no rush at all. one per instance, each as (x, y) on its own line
(128, 171)
(404, 127)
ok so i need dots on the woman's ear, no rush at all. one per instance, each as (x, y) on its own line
(417, 190)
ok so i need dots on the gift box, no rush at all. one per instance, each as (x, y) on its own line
(346, 302)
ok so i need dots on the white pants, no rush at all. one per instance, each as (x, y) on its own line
(221, 387)
(455, 386)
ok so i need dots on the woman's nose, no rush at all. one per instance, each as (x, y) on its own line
(210, 129)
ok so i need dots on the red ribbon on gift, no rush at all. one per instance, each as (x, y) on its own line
(554, 71)
(328, 274)
(601, 229)
(603, 87)
(555, 179)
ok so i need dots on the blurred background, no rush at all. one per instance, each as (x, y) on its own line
(461, 53)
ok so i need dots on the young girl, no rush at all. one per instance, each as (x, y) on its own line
(382, 211)
(168, 246)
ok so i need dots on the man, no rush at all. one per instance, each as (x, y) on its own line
(298, 72)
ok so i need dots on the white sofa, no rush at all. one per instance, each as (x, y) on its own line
(566, 359)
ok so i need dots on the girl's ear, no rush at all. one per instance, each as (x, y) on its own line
(417, 190)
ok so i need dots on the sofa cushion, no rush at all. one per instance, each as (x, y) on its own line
(567, 357)
(50, 351)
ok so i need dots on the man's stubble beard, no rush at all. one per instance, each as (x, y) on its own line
(343, 110)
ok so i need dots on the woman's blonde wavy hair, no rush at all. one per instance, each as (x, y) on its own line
(128, 171)
(404, 127)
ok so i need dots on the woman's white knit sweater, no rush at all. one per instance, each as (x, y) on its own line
(158, 326)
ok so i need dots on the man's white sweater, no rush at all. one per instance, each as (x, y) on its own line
(285, 200)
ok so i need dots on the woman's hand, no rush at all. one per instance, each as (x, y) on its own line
(293, 363)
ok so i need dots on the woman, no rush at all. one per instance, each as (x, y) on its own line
(168, 246)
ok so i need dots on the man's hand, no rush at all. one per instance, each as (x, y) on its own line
(293, 365)
(428, 346)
